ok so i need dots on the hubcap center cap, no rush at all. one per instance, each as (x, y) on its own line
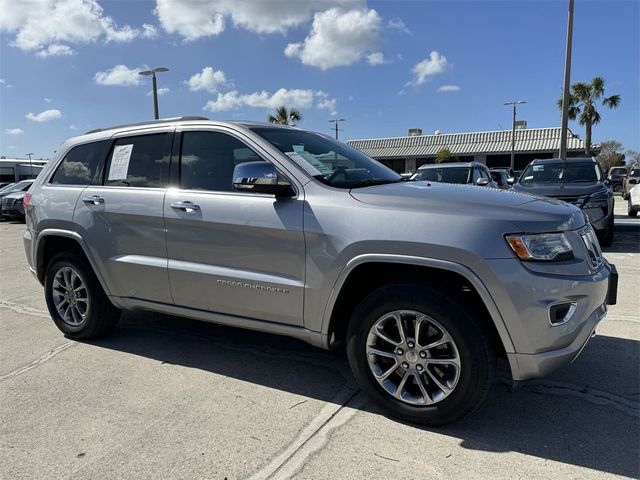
(411, 356)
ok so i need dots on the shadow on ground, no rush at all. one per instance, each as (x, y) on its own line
(559, 426)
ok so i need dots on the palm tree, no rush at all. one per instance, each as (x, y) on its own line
(583, 102)
(285, 116)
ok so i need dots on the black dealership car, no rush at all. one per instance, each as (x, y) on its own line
(579, 181)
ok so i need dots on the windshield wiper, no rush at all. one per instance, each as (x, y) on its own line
(369, 182)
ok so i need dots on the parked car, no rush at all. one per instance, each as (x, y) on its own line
(4, 184)
(633, 201)
(474, 173)
(287, 231)
(11, 205)
(21, 186)
(616, 178)
(578, 181)
(632, 179)
(502, 178)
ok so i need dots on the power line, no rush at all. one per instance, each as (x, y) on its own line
(337, 121)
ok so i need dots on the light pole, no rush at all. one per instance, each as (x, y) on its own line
(513, 131)
(30, 164)
(567, 81)
(337, 121)
(153, 72)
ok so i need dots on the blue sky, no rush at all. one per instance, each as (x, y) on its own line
(378, 64)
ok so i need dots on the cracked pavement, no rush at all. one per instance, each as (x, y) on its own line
(167, 397)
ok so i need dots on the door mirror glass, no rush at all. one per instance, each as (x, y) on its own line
(511, 180)
(260, 177)
(482, 182)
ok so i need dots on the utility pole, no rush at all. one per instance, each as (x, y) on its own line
(336, 121)
(513, 131)
(153, 72)
(30, 164)
(567, 85)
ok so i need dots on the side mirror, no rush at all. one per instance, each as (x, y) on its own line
(482, 182)
(511, 180)
(260, 177)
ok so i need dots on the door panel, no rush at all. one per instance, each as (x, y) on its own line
(232, 253)
(238, 254)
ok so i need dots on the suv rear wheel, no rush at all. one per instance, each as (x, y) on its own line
(419, 354)
(75, 299)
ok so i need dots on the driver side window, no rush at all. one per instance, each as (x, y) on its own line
(207, 160)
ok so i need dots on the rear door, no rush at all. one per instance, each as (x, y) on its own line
(232, 252)
(121, 217)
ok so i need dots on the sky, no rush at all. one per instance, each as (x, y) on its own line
(68, 66)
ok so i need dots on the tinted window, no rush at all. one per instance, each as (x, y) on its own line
(445, 175)
(208, 159)
(81, 164)
(559, 173)
(137, 161)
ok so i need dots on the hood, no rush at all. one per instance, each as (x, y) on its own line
(527, 213)
(560, 190)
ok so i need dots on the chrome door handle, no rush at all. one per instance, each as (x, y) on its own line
(93, 200)
(185, 206)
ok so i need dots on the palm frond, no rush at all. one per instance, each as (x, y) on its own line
(595, 117)
(581, 90)
(598, 87)
(573, 112)
(612, 102)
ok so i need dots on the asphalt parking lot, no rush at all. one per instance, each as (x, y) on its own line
(166, 397)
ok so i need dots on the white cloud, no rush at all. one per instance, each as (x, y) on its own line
(337, 38)
(13, 131)
(376, 58)
(326, 103)
(44, 116)
(449, 88)
(295, 98)
(435, 64)
(209, 80)
(118, 75)
(149, 31)
(12, 147)
(198, 19)
(44, 24)
(47, 100)
(398, 24)
(161, 91)
(55, 50)
(2, 81)
(73, 127)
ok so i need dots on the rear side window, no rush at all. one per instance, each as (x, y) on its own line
(82, 165)
(138, 161)
(208, 160)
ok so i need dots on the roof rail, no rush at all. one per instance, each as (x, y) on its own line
(148, 122)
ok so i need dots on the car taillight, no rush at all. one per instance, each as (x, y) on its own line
(26, 201)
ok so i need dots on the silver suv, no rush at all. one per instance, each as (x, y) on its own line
(287, 231)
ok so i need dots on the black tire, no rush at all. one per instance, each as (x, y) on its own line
(606, 238)
(101, 315)
(617, 188)
(472, 340)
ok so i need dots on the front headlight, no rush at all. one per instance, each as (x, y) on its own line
(597, 200)
(541, 247)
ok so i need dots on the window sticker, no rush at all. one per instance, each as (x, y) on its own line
(120, 162)
(538, 168)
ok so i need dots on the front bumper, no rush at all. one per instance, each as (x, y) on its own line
(539, 345)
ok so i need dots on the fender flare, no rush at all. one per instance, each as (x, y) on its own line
(38, 252)
(467, 273)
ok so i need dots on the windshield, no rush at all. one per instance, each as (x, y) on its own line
(618, 171)
(635, 172)
(331, 162)
(444, 175)
(586, 172)
(15, 187)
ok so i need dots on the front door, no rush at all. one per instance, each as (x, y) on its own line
(230, 252)
(122, 219)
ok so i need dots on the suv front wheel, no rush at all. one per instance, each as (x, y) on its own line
(75, 299)
(419, 354)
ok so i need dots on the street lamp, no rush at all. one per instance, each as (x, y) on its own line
(567, 82)
(513, 131)
(30, 164)
(153, 72)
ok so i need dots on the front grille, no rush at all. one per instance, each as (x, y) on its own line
(593, 247)
(578, 201)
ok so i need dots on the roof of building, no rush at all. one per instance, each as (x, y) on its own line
(469, 143)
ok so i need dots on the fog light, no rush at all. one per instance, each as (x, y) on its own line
(560, 313)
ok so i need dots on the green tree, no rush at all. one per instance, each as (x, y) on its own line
(285, 116)
(444, 155)
(584, 101)
(610, 155)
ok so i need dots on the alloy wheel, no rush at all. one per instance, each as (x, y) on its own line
(70, 296)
